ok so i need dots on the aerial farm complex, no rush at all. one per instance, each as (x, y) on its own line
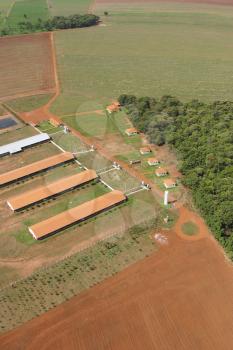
(116, 175)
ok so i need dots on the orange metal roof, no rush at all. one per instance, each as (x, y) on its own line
(33, 168)
(169, 182)
(131, 130)
(47, 191)
(113, 107)
(161, 171)
(81, 212)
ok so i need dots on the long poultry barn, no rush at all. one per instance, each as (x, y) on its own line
(34, 168)
(18, 146)
(75, 215)
(52, 190)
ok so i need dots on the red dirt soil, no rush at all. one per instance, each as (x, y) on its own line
(213, 2)
(27, 67)
(177, 299)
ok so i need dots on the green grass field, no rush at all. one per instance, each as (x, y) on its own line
(27, 10)
(186, 54)
(29, 103)
(190, 228)
(5, 6)
(91, 124)
(68, 7)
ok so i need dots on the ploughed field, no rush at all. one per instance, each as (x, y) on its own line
(179, 298)
(26, 65)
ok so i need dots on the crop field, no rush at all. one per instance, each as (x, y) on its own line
(150, 305)
(68, 7)
(154, 56)
(26, 65)
(27, 10)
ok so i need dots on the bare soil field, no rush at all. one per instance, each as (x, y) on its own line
(26, 65)
(180, 298)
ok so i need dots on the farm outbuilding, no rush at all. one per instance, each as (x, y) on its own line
(77, 214)
(161, 172)
(114, 107)
(52, 190)
(55, 122)
(131, 131)
(153, 161)
(145, 150)
(35, 168)
(170, 183)
(20, 145)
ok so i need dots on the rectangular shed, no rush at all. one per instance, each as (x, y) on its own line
(18, 146)
(52, 190)
(34, 168)
(80, 213)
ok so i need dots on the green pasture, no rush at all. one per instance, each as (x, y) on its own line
(94, 160)
(91, 124)
(186, 54)
(5, 6)
(29, 103)
(27, 10)
(69, 142)
(190, 228)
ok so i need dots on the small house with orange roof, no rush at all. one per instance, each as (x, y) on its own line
(161, 172)
(114, 107)
(55, 122)
(170, 183)
(153, 161)
(131, 131)
(145, 150)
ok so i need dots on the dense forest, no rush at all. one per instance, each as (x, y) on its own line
(55, 23)
(202, 135)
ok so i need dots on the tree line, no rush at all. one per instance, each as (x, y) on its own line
(55, 23)
(202, 135)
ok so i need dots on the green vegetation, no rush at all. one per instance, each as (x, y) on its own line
(49, 287)
(29, 103)
(68, 7)
(147, 54)
(202, 135)
(190, 228)
(27, 10)
(34, 23)
(5, 6)
(91, 124)
(69, 142)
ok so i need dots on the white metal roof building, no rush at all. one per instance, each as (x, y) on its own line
(18, 146)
